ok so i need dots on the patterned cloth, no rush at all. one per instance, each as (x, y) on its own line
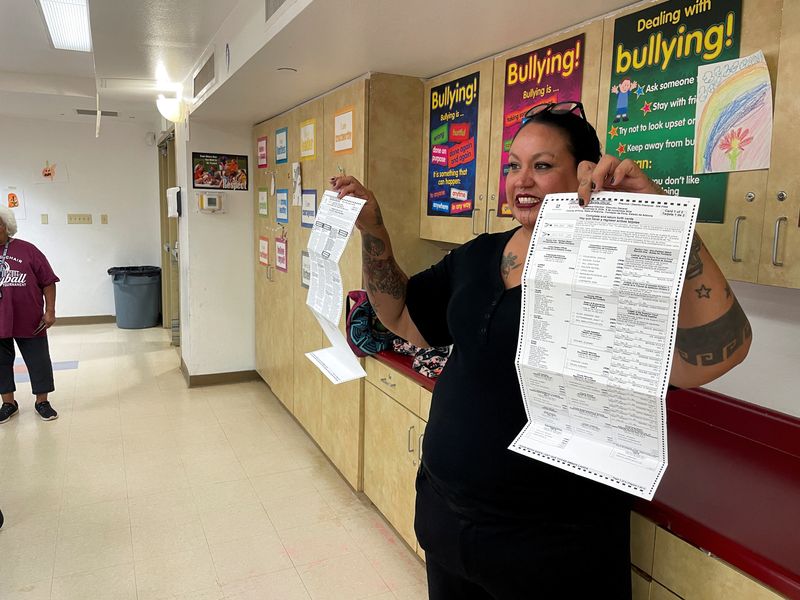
(427, 361)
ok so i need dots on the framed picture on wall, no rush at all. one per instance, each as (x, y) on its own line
(211, 171)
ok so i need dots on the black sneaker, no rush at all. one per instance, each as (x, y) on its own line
(7, 411)
(46, 411)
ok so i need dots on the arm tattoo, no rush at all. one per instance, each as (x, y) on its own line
(371, 245)
(378, 216)
(383, 276)
(714, 342)
(703, 291)
(695, 265)
(508, 263)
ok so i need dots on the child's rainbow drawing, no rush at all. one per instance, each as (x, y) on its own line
(733, 118)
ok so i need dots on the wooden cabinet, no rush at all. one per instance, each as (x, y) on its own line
(667, 567)
(384, 109)
(490, 140)
(392, 446)
(759, 239)
(274, 289)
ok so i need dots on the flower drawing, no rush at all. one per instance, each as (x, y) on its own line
(733, 144)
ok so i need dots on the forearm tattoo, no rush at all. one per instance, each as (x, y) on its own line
(714, 342)
(371, 245)
(383, 276)
(695, 265)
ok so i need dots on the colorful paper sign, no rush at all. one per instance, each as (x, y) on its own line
(305, 269)
(343, 130)
(733, 116)
(553, 73)
(281, 254)
(262, 152)
(14, 198)
(308, 139)
(219, 171)
(453, 131)
(281, 145)
(309, 214)
(263, 202)
(282, 203)
(263, 250)
(651, 118)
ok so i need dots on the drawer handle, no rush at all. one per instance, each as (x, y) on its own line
(411, 440)
(734, 249)
(388, 383)
(775, 239)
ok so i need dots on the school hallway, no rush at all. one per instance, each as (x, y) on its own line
(143, 489)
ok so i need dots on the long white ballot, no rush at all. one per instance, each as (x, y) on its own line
(329, 236)
(601, 288)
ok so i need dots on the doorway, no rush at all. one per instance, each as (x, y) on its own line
(170, 272)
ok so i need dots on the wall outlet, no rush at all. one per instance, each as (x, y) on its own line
(45, 219)
(79, 219)
(104, 219)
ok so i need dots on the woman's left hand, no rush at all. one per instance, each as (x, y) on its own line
(613, 174)
(49, 318)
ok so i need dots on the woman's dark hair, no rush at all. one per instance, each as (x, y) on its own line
(581, 137)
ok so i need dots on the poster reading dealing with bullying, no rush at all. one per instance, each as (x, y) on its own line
(550, 74)
(653, 92)
(453, 135)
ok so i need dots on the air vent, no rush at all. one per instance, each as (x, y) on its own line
(272, 7)
(203, 78)
(93, 113)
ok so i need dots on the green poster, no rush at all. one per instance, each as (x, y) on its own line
(651, 108)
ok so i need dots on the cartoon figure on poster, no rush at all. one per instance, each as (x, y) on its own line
(652, 94)
(623, 91)
(453, 134)
(550, 74)
(219, 171)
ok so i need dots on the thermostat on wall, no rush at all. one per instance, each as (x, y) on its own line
(210, 202)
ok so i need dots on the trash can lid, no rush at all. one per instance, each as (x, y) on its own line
(135, 271)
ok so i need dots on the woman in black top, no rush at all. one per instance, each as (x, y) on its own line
(496, 525)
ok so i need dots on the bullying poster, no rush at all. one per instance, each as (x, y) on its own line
(453, 138)
(653, 94)
(550, 74)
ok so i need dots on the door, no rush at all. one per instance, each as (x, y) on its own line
(170, 274)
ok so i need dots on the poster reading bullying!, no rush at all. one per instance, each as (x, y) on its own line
(453, 136)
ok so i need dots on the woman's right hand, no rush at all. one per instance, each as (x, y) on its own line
(370, 216)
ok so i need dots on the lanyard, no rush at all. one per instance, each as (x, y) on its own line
(4, 267)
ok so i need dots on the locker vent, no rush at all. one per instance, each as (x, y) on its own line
(272, 7)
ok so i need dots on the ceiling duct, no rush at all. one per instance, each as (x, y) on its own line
(204, 78)
(93, 113)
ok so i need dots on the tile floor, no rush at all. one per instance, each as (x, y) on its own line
(146, 490)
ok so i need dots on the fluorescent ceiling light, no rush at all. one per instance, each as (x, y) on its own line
(68, 24)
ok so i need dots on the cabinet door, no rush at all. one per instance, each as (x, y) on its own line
(390, 445)
(277, 305)
(736, 243)
(340, 435)
(308, 336)
(780, 247)
(590, 53)
(449, 228)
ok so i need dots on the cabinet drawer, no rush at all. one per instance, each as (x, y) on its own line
(643, 539)
(694, 575)
(640, 587)
(424, 403)
(397, 386)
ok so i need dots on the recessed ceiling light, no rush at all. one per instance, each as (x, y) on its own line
(67, 24)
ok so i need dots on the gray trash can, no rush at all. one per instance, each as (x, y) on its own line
(137, 296)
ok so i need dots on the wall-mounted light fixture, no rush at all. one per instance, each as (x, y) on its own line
(172, 109)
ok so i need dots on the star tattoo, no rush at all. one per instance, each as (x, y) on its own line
(703, 292)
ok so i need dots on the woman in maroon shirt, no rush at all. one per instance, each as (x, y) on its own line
(27, 311)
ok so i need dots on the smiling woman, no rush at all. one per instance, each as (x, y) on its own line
(493, 523)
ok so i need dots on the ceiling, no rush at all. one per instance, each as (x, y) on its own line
(329, 42)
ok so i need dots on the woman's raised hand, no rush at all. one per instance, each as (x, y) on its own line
(613, 174)
(370, 216)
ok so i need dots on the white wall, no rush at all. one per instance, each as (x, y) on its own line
(770, 375)
(216, 261)
(115, 174)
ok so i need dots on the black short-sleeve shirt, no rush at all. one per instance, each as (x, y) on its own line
(477, 407)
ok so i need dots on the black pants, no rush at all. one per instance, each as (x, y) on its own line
(475, 558)
(36, 354)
